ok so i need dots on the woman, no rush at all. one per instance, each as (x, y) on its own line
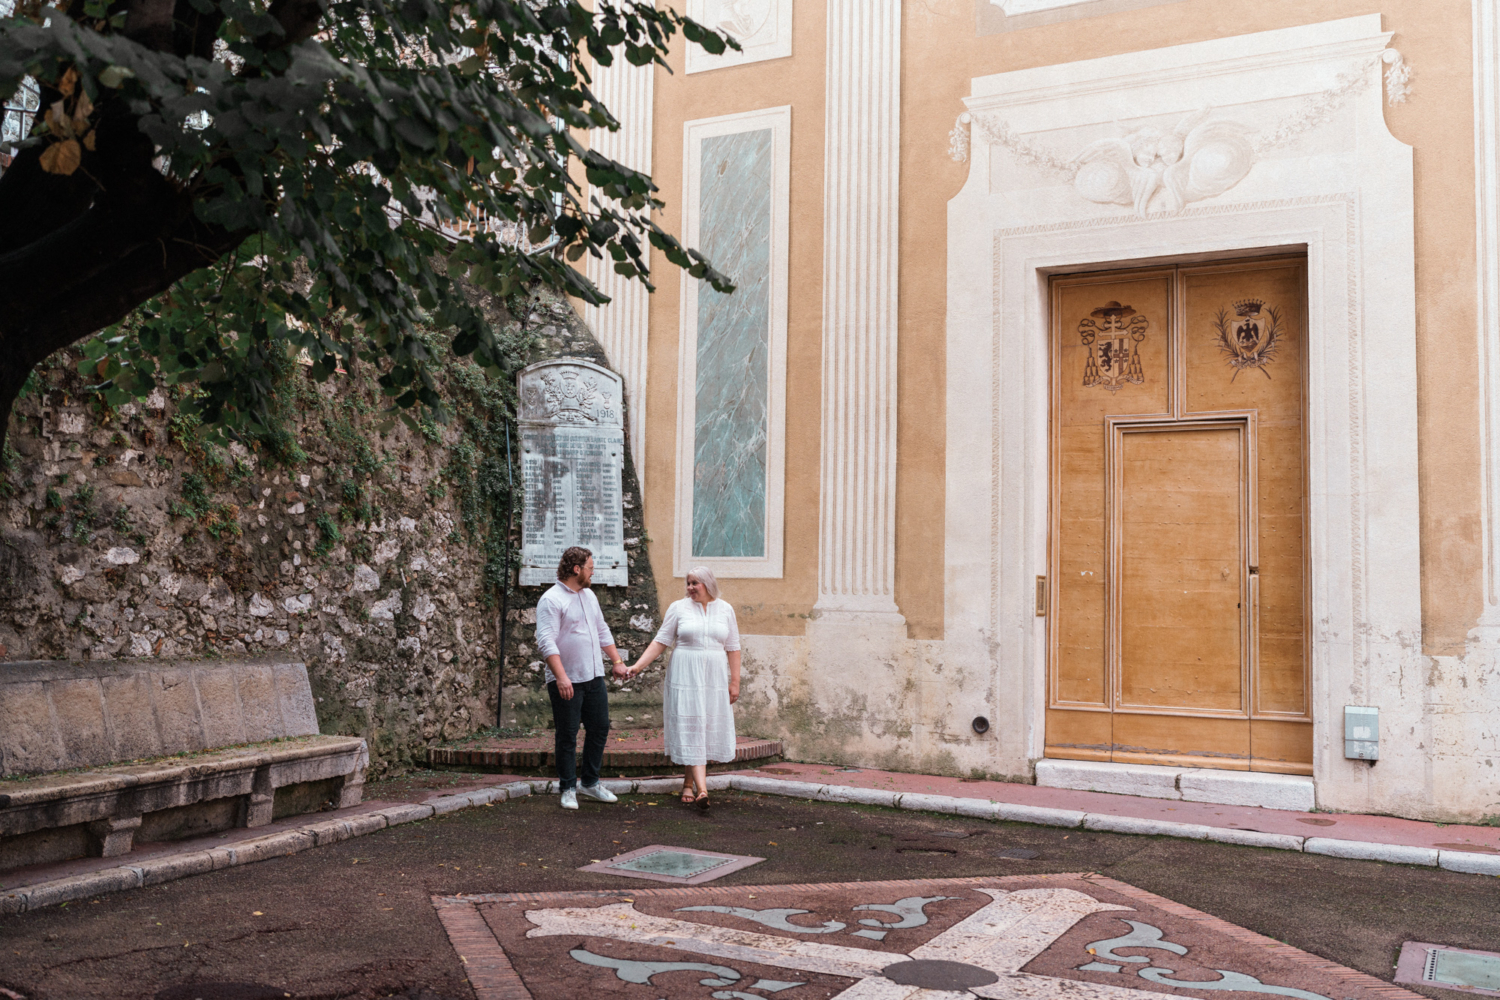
(703, 680)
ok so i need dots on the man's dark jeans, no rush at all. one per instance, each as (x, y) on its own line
(589, 705)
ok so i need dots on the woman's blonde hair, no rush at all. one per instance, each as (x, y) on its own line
(705, 576)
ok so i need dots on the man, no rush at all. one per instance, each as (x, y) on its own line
(570, 631)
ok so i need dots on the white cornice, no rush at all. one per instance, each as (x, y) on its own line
(1213, 67)
(1014, 7)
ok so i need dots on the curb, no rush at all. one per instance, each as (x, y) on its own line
(287, 842)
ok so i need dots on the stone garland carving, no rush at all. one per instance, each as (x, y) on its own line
(1196, 159)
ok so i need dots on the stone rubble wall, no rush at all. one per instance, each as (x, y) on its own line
(119, 538)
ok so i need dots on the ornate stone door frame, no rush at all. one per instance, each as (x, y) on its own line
(1340, 190)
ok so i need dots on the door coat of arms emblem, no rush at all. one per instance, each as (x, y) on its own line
(1248, 339)
(1112, 335)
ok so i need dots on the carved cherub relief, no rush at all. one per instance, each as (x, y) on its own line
(1196, 159)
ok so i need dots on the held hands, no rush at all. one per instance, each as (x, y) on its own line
(620, 670)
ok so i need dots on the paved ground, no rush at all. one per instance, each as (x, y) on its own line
(356, 919)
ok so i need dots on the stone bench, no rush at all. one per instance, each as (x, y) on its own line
(94, 756)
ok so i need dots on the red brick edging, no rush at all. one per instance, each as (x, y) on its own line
(485, 963)
(527, 758)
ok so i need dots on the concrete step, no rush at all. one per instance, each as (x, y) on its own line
(1185, 784)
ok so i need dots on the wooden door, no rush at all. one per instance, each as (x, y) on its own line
(1176, 584)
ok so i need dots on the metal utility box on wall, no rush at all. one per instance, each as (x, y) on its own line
(1361, 732)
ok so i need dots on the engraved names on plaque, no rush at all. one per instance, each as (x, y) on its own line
(572, 459)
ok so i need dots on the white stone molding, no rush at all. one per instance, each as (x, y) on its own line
(1343, 193)
(762, 27)
(1487, 256)
(861, 193)
(1014, 7)
(621, 325)
(779, 122)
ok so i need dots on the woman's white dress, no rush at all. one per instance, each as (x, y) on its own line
(695, 705)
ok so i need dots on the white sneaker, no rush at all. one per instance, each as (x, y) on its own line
(570, 799)
(598, 793)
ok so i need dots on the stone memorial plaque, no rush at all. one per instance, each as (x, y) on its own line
(573, 460)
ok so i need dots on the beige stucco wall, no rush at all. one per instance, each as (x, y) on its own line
(941, 53)
(766, 606)
(900, 704)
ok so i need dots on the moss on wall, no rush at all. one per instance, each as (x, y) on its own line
(374, 550)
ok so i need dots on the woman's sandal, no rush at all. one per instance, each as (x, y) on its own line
(702, 801)
(687, 795)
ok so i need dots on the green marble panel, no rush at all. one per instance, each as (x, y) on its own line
(734, 335)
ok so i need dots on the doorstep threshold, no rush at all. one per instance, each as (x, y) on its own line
(1184, 784)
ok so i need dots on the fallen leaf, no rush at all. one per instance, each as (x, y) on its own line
(68, 82)
(81, 112)
(257, 913)
(773, 843)
(114, 76)
(63, 158)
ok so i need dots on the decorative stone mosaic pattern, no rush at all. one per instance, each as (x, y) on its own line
(1031, 937)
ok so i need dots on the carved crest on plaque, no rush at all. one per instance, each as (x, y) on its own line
(1112, 336)
(1250, 337)
(568, 396)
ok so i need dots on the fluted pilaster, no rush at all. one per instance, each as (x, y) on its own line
(857, 541)
(621, 325)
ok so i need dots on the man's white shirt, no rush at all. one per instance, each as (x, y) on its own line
(571, 625)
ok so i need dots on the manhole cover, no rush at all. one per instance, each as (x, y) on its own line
(1017, 854)
(933, 974)
(222, 991)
